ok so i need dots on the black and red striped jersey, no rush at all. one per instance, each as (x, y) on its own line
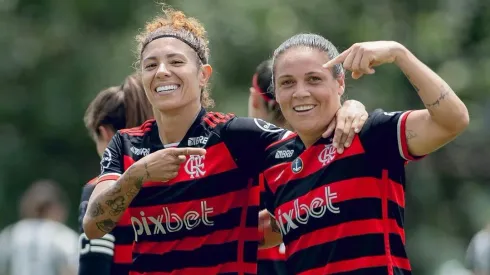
(205, 220)
(342, 213)
(110, 254)
(270, 261)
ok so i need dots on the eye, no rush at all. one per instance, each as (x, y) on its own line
(150, 66)
(176, 62)
(314, 79)
(286, 82)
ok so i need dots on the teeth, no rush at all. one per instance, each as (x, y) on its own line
(303, 108)
(167, 88)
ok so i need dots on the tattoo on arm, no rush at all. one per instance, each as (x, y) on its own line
(114, 189)
(410, 134)
(133, 191)
(116, 205)
(274, 226)
(106, 226)
(410, 80)
(96, 210)
(138, 183)
(444, 93)
(146, 170)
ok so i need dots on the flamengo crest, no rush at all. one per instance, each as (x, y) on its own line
(194, 166)
(327, 154)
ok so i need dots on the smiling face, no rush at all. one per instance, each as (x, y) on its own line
(308, 94)
(172, 75)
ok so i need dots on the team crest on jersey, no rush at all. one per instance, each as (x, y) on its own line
(266, 126)
(297, 165)
(106, 159)
(327, 154)
(194, 166)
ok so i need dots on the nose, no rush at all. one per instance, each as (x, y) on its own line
(162, 71)
(301, 91)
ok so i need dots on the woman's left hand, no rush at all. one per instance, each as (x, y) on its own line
(349, 120)
(360, 58)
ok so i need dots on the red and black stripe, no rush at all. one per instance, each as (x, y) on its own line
(365, 236)
(228, 246)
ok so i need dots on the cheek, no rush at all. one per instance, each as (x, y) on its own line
(283, 97)
(146, 78)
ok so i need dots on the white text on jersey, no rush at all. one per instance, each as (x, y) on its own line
(171, 222)
(282, 154)
(197, 140)
(316, 209)
(140, 151)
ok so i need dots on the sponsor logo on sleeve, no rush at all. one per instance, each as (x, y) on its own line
(266, 126)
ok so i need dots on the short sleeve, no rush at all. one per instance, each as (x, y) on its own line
(247, 139)
(82, 209)
(95, 256)
(111, 164)
(384, 137)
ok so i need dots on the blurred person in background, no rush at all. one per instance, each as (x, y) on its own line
(190, 198)
(344, 213)
(115, 108)
(40, 243)
(478, 253)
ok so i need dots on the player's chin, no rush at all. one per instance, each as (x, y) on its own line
(167, 104)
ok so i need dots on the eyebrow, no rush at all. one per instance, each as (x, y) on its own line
(170, 55)
(307, 74)
(314, 72)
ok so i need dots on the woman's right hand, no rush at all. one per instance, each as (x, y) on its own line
(163, 165)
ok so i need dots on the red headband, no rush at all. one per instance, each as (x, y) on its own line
(255, 85)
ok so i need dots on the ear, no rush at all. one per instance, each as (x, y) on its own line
(254, 98)
(205, 74)
(341, 82)
(105, 134)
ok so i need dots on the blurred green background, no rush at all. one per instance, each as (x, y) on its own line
(55, 55)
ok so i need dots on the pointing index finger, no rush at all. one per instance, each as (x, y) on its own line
(337, 60)
(188, 151)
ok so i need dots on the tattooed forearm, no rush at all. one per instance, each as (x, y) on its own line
(411, 134)
(107, 207)
(274, 226)
(138, 183)
(116, 205)
(133, 191)
(146, 170)
(106, 226)
(114, 189)
(96, 210)
(411, 82)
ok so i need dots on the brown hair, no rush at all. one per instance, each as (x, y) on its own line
(119, 107)
(40, 197)
(312, 41)
(176, 24)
